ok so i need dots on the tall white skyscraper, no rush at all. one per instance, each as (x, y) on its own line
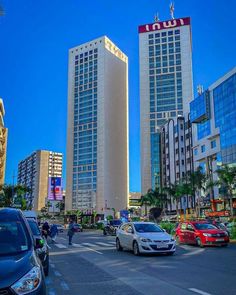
(166, 87)
(97, 132)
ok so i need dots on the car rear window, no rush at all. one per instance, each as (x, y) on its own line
(13, 238)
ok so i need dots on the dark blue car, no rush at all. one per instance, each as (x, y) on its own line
(20, 269)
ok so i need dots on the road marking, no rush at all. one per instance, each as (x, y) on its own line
(60, 246)
(77, 245)
(93, 250)
(112, 243)
(51, 292)
(57, 274)
(64, 286)
(88, 244)
(194, 252)
(104, 244)
(62, 238)
(52, 265)
(49, 247)
(199, 291)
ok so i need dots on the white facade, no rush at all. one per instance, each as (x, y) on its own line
(166, 83)
(97, 179)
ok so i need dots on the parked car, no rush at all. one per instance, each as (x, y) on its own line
(78, 227)
(60, 228)
(21, 271)
(43, 252)
(144, 237)
(111, 227)
(201, 233)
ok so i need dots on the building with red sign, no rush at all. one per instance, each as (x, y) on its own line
(166, 87)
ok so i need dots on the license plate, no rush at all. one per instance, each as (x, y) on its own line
(219, 240)
(162, 245)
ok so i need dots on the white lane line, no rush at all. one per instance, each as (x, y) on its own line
(199, 291)
(94, 250)
(64, 286)
(57, 274)
(77, 245)
(60, 246)
(103, 244)
(194, 252)
(88, 244)
(112, 243)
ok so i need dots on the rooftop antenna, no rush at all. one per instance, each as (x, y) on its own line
(172, 9)
(156, 18)
(200, 89)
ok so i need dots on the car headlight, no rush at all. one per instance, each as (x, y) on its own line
(28, 282)
(207, 235)
(145, 240)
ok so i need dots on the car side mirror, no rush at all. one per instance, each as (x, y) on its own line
(39, 243)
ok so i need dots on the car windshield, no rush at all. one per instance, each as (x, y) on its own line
(34, 228)
(13, 239)
(115, 222)
(147, 228)
(203, 226)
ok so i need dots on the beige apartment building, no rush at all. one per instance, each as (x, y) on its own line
(3, 143)
(34, 173)
(97, 131)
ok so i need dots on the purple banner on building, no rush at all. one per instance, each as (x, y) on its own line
(55, 189)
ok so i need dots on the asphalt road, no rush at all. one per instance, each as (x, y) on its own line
(93, 266)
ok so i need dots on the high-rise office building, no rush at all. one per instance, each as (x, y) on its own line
(213, 115)
(97, 132)
(166, 87)
(3, 143)
(34, 173)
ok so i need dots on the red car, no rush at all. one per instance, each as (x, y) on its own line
(201, 233)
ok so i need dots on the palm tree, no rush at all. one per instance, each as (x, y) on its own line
(154, 199)
(227, 181)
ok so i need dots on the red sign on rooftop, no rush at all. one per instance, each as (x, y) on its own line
(173, 23)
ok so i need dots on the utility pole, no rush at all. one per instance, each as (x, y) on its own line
(13, 185)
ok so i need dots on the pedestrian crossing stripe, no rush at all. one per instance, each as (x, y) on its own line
(104, 244)
(88, 244)
(60, 246)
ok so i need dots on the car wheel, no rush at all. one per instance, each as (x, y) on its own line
(136, 249)
(46, 269)
(118, 246)
(199, 242)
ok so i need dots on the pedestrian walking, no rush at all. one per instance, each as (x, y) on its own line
(45, 229)
(71, 231)
(53, 233)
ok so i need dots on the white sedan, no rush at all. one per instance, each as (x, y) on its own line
(144, 237)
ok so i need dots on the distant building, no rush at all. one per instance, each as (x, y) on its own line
(34, 172)
(97, 131)
(134, 199)
(177, 157)
(3, 143)
(213, 114)
(166, 87)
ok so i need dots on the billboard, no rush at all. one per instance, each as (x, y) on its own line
(55, 189)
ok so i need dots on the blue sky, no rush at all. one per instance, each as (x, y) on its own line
(34, 40)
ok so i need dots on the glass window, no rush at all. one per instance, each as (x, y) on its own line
(213, 144)
(203, 148)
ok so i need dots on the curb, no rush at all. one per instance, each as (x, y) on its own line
(232, 241)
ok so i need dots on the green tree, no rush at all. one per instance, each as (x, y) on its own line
(227, 182)
(11, 195)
